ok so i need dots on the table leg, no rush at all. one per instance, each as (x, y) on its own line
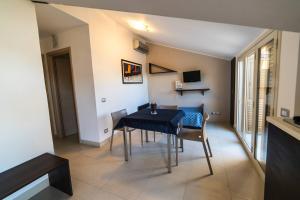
(181, 144)
(60, 178)
(169, 153)
(176, 147)
(147, 138)
(125, 144)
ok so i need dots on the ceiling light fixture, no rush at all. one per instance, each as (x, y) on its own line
(138, 25)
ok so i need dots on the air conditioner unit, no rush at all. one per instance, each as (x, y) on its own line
(140, 47)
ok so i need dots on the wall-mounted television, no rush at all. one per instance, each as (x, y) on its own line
(191, 76)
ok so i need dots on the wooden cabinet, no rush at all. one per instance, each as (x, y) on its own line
(283, 166)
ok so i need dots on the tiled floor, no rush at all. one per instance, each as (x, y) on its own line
(99, 174)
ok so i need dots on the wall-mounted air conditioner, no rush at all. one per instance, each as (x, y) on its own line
(140, 46)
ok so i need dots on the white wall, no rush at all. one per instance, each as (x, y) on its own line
(110, 42)
(288, 71)
(24, 118)
(215, 74)
(78, 40)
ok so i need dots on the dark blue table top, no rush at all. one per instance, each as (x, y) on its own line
(165, 120)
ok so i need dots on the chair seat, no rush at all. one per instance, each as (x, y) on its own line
(190, 134)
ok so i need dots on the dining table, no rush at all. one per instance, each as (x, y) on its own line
(164, 121)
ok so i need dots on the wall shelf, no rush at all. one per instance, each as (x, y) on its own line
(156, 69)
(202, 90)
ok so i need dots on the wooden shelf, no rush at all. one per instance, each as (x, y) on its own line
(202, 90)
(162, 69)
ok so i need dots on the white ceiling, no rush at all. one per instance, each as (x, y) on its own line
(214, 39)
(51, 20)
(273, 14)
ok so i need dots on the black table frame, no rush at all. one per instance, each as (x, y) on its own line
(168, 145)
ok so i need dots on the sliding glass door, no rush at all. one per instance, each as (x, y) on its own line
(265, 97)
(256, 94)
(240, 97)
(248, 133)
(245, 99)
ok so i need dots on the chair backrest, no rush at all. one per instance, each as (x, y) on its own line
(171, 107)
(203, 129)
(144, 106)
(117, 116)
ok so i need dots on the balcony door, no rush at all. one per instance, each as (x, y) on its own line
(265, 100)
(256, 94)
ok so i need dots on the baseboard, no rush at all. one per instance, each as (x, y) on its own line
(101, 143)
(250, 155)
(90, 143)
(30, 190)
(106, 140)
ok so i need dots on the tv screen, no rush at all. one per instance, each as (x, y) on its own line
(191, 76)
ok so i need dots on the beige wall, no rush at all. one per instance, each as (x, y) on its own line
(24, 118)
(79, 41)
(288, 71)
(110, 42)
(215, 74)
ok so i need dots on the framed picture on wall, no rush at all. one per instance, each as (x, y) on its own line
(131, 72)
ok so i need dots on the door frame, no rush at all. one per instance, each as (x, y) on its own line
(54, 107)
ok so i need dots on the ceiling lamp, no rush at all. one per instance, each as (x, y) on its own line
(138, 25)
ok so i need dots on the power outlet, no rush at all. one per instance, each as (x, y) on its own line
(215, 113)
(284, 112)
(106, 130)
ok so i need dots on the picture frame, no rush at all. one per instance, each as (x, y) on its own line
(132, 73)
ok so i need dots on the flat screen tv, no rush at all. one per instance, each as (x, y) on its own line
(192, 76)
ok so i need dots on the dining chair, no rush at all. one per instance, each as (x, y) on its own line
(116, 117)
(196, 135)
(171, 107)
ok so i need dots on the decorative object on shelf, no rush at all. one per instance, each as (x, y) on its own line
(156, 69)
(131, 72)
(153, 107)
(202, 90)
(178, 85)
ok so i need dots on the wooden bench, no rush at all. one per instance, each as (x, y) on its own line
(17, 177)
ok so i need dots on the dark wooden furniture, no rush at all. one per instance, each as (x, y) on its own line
(160, 68)
(202, 90)
(17, 177)
(283, 165)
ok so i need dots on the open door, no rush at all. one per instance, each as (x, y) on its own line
(60, 92)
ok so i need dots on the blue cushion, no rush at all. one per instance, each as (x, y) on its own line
(193, 117)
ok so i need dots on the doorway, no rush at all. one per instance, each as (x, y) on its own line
(60, 93)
